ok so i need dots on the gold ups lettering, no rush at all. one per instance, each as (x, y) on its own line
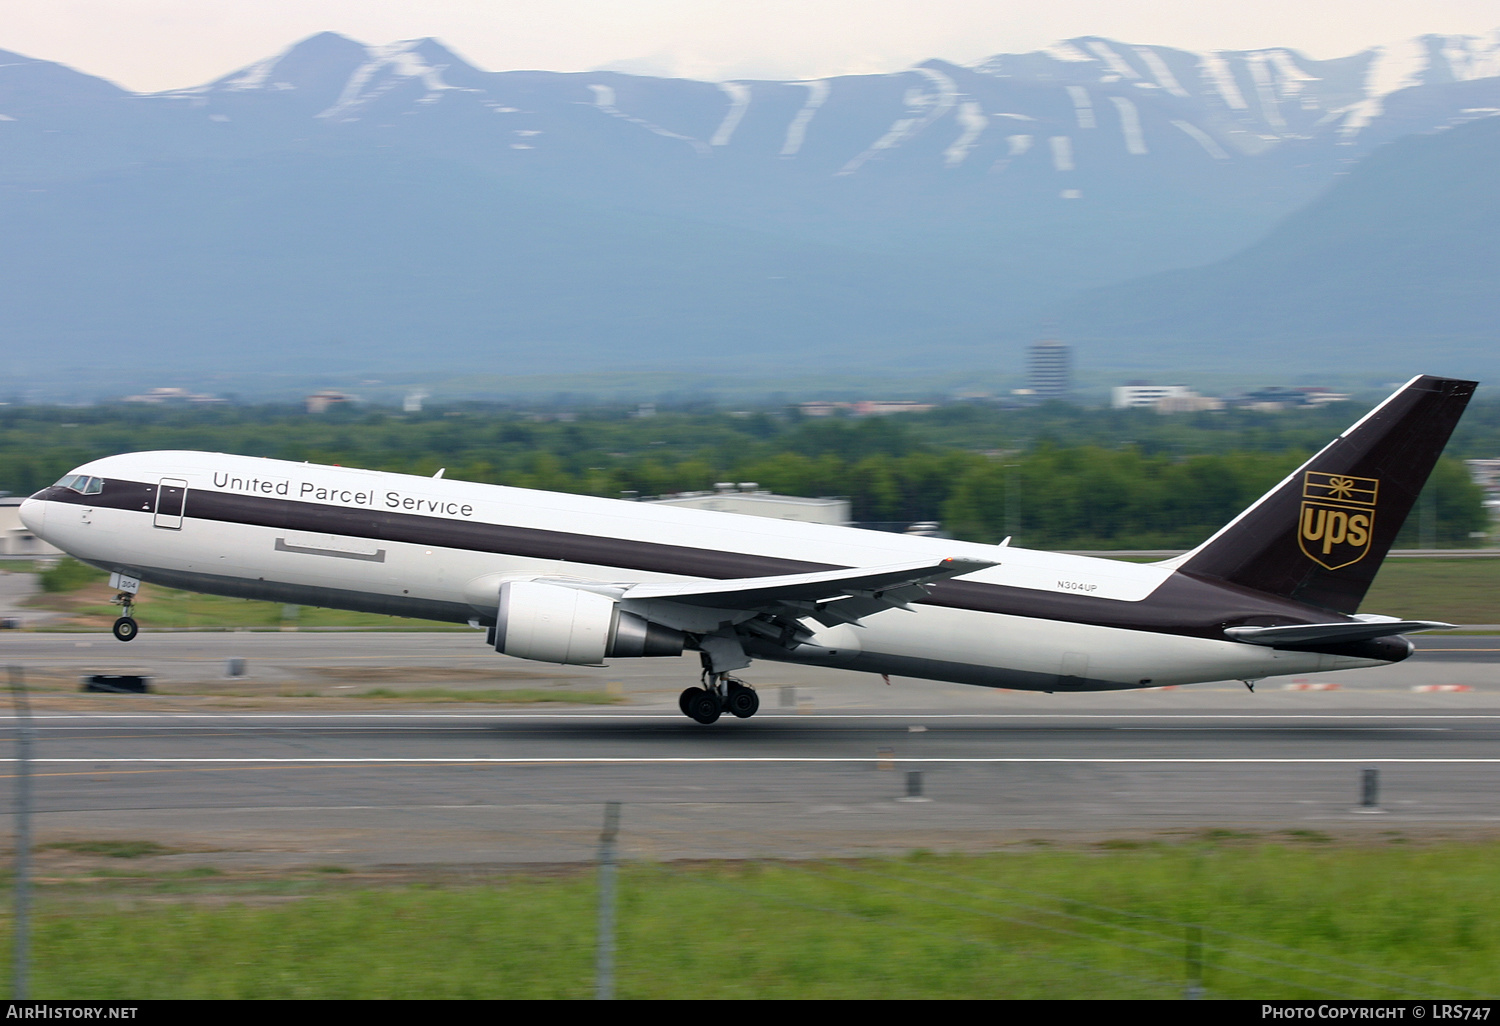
(1337, 518)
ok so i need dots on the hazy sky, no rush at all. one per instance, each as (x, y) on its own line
(160, 44)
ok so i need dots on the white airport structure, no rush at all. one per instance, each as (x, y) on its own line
(752, 500)
(16, 539)
(1128, 397)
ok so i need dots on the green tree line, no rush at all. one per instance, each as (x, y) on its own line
(1055, 476)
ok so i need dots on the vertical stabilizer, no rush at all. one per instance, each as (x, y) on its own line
(1319, 536)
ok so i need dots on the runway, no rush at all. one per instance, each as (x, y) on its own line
(234, 778)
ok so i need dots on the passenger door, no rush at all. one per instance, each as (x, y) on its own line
(171, 499)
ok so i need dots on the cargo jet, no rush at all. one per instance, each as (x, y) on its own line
(577, 580)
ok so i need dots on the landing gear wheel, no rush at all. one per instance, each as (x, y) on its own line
(704, 706)
(685, 699)
(126, 629)
(743, 702)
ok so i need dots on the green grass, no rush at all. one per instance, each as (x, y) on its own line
(112, 849)
(171, 607)
(1456, 590)
(68, 574)
(168, 607)
(1281, 918)
(1462, 591)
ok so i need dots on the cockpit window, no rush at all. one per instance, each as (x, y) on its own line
(81, 483)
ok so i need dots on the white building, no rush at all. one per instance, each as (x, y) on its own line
(16, 538)
(864, 407)
(1163, 398)
(1189, 402)
(1126, 397)
(750, 499)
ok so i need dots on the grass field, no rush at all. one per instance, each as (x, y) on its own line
(1295, 914)
(1462, 591)
(86, 604)
(1456, 590)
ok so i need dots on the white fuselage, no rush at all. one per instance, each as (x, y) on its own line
(438, 548)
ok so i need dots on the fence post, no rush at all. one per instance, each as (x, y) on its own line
(1194, 955)
(20, 951)
(604, 967)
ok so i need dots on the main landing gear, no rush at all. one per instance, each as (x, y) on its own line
(125, 628)
(719, 694)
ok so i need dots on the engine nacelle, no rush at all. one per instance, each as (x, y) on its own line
(555, 624)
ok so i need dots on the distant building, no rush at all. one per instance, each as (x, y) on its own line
(1127, 397)
(319, 402)
(1049, 370)
(1322, 396)
(748, 498)
(161, 396)
(1188, 402)
(16, 538)
(1278, 397)
(864, 408)
(881, 408)
(1163, 399)
(1486, 474)
(411, 404)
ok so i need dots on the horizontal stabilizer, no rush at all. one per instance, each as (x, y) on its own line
(1302, 634)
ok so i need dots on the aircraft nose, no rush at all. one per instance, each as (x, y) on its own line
(33, 514)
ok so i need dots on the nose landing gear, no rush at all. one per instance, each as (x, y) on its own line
(719, 694)
(125, 628)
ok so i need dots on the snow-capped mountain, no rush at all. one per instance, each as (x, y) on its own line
(1087, 107)
(943, 207)
(1227, 105)
(1249, 101)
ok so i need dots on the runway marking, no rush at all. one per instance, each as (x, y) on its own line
(915, 717)
(668, 760)
(274, 765)
(1445, 730)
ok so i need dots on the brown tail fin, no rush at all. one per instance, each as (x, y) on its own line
(1320, 535)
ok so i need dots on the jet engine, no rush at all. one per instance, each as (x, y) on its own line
(552, 623)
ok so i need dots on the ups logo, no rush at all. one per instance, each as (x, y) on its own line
(1337, 519)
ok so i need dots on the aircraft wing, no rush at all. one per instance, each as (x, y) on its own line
(831, 597)
(1332, 633)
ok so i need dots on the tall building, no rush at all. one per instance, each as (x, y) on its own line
(1049, 369)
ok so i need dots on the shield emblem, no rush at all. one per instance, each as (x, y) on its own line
(1337, 519)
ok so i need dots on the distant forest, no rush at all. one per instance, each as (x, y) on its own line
(1055, 476)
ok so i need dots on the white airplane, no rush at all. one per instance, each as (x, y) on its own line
(576, 580)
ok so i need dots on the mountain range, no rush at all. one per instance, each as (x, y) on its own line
(344, 209)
